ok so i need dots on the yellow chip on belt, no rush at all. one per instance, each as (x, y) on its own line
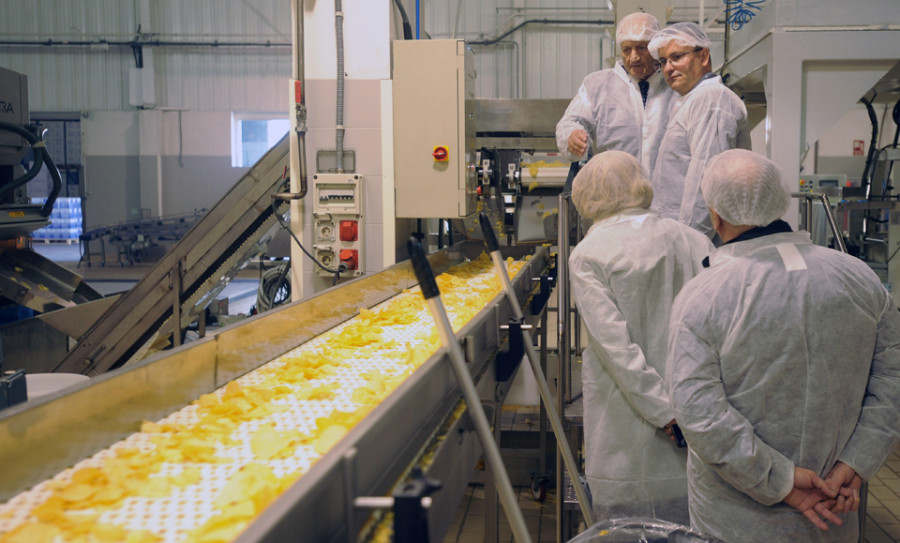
(328, 438)
(267, 442)
(33, 532)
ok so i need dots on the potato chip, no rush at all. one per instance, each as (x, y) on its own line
(33, 532)
(267, 442)
(328, 437)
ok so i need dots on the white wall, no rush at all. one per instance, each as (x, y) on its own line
(367, 45)
(147, 159)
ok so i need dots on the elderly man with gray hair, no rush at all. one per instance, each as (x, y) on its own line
(625, 274)
(625, 107)
(783, 368)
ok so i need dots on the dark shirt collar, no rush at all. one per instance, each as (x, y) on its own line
(776, 227)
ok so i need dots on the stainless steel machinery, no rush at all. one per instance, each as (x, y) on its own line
(420, 424)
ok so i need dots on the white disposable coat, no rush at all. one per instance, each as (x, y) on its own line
(782, 354)
(703, 123)
(625, 274)
(609, 108)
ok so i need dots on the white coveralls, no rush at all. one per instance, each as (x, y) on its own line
(703, 123)
(609, 108)
(783, 353)
(625, 274)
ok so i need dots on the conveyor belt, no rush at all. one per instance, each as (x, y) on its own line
(389, 437)
(187, 278)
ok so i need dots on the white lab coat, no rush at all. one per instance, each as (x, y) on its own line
(703, 123)
(783, 353)
(609, 108)
(625, 274)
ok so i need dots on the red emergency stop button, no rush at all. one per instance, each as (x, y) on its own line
(350, 257)
(349, 230)
(440, 153)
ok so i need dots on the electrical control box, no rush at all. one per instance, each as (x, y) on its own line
(831, 184)
(434, 129)
(337, 218)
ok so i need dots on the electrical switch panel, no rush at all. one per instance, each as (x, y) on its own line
(434, 129)
(337, 216)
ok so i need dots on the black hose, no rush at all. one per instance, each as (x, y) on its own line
(57, 185)
(407, 28)
(870, 158)
(271, 283)
(41, 157)
(896, 116)
(33, 140)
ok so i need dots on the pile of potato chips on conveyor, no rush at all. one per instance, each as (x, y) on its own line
(203, 473)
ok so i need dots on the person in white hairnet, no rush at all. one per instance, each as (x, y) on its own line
(624, 107)
(783, 368)
(706, 119)
(625, 274)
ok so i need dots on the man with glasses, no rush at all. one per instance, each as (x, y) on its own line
(623, 108)
(706, 119)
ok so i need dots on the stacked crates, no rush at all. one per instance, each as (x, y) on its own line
(65, 220)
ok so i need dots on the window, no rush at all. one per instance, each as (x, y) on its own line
(253, 134)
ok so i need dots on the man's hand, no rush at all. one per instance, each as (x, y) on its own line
(578, 142)
(845, 482)
(809, 491)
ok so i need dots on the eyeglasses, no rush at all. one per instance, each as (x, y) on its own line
(676, 58)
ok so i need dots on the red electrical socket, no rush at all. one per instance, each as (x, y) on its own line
(349, 230)
(350, 257)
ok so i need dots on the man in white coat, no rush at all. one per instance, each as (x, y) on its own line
(625, 274)
(624, 107)
(706, 119)
(783, 368)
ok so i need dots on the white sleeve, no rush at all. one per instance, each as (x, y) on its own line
(716, 127)
(623, 359)
(720, 435)
(578, 115)
(877, 432)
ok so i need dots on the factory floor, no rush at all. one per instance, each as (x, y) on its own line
(882, 513)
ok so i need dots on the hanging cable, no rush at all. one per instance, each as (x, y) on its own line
(34, 136)
(407, 28)
(274, 287)
(873, 146)
(341, 267)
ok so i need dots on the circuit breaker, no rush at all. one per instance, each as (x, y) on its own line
(337, 217)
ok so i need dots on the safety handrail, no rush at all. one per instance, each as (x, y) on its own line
(809, 196)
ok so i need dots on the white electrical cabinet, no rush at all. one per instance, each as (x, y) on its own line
(337, 214)
(434, 129)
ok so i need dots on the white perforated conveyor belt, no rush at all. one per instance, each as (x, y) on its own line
(172, 507)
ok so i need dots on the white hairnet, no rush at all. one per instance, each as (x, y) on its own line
(687, 34)
(637, 26)
(609, 183)
(744, 188)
